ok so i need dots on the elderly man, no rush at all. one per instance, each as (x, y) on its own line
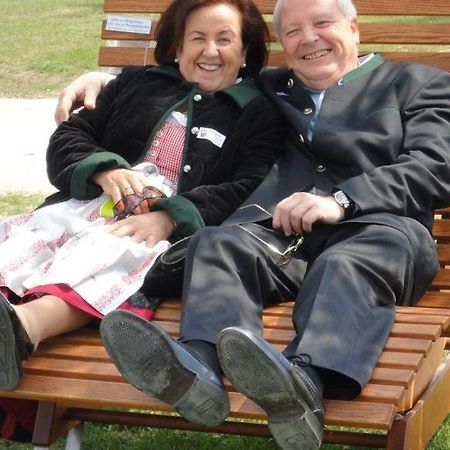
(368, 159)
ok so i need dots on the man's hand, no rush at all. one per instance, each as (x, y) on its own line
(149, 228)
(81, 92)
(298, 212)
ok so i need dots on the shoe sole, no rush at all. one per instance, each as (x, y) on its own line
(252, 369)
(10, 362)
(146, 356)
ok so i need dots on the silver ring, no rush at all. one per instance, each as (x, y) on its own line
(129, 190)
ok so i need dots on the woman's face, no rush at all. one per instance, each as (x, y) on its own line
(212, 52)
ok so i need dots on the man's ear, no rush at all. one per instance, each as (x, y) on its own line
(355, 29)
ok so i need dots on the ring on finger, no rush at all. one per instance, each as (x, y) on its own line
(129, 190)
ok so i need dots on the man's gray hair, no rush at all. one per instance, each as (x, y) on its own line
(346, 6)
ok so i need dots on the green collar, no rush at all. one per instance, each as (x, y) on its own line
(364, 69)
(242, 93)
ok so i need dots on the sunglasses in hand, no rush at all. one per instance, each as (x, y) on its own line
(126, 206)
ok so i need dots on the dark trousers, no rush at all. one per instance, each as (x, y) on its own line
(345, 303)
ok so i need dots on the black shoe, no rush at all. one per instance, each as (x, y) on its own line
(153, 362)
(15, 346)
(288, 396)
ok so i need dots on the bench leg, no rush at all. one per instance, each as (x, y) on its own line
(50, 424)
(413, 430)
(43, 424)
(74, 437)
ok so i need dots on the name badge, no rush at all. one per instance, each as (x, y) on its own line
(211, 135)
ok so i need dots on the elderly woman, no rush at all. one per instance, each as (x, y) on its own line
(206, 132)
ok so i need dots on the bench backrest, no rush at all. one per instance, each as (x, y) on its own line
(402, 30)
(415, 30)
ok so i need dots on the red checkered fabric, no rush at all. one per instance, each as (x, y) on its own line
(166, 150)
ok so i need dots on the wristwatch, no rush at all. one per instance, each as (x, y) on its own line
(342, 200)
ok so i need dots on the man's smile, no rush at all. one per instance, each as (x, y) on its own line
(315, 55)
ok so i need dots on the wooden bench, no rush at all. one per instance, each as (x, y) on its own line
(407, 398)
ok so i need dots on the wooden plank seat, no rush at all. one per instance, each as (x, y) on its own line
(73, 373)
(408, 396)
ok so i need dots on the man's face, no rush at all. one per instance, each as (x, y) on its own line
(320, 43)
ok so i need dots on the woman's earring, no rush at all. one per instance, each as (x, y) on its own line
(244, 65)
(175, 61)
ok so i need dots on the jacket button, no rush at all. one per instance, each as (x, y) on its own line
(197, 97)
(187, 168)
(194, 130)
(301, 138)
(320, 168)
(307, 111)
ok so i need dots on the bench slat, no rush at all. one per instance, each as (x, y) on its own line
(416, 331)
(385, 391)
(415, 7)
(95, 394)
(382, 393)
(440, 60)
(388, 7)
(404, 33)
(402, 360)
(121, 56)
(412, 349)
(358, 414)
(408, 345)
(444, 253)
(442, 280)
(442, 321)
(441, 227)
(371, 33)
(385, 375)
(435, 300)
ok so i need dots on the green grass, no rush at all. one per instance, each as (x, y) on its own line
(44, 45)
(16, 203)
(114, 437)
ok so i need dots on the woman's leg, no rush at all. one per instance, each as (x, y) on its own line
(23, 327)
(49, 316)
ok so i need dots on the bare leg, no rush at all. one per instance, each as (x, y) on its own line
(49, 316)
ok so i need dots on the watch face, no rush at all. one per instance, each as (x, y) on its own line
(342, 199)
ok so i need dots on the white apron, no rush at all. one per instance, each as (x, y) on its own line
(68, 243)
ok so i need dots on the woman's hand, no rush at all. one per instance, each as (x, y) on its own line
(149, 228)
(298, 212)
(119, 183)
(81, 92)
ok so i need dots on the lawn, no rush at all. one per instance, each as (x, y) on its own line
(45, 44)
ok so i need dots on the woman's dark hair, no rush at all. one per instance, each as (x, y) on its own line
(255, 34)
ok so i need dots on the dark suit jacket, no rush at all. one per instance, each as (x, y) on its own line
(382, 136)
